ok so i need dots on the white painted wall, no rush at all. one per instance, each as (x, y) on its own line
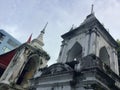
(81, 39)
(101, 42)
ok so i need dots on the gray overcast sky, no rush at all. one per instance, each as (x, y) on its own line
(20, 18)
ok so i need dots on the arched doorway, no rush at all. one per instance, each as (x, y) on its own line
(104, 56)
(29, 70)
(75, 53)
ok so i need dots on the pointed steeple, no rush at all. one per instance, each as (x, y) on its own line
(43, 31)
(38, 42)
(40, 37)
(91, 17)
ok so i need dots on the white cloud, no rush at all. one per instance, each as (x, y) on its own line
(21, 18)
(108, 13)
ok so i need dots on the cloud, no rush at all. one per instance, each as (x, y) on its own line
(108, 13)
(20, 18)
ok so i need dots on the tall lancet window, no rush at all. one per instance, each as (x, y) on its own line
(75, 53)
(104, 56)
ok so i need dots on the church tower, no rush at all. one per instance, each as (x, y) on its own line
(87, 61)
(89, 38)
(29, 58)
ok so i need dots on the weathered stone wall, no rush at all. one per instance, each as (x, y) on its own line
(91, 43)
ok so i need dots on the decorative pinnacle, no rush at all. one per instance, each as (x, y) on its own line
(92, 7)
(43, 31)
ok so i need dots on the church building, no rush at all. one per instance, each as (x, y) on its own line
(87, 61)
(22, 63)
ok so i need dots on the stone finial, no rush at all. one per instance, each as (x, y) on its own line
(92, 9)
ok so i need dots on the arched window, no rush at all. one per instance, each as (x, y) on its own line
(75, 53)
(104, 56)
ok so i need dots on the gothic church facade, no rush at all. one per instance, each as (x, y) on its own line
(87, 61)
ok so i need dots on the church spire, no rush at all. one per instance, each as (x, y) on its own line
(43, 31)
(38, 42)
(40, 37)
